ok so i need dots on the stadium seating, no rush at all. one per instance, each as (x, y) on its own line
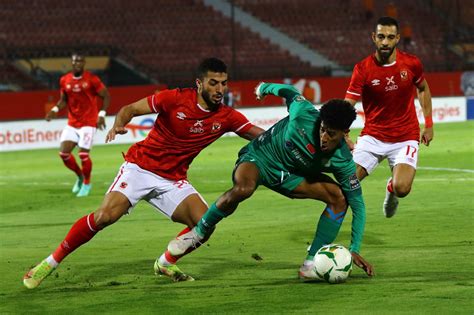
(166, 39)
(169, 37)
(339, 29)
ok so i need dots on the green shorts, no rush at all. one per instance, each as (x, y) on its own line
(281, 181)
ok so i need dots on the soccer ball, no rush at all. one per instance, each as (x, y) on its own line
(333, 263)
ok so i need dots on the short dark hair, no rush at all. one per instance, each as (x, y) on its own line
(211, 64)
(338, 114)
(387, 21)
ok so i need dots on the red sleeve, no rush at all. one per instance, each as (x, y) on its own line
(354, 91)
(62, 89)
(417, 69)
(97, 84)
(160, 99)
(240, 123)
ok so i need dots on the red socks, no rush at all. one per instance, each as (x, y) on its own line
(80, 233)
(86, 166)
(173, 259)
(389, 186)
(70, 163)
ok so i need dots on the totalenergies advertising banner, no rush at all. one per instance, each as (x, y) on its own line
(321, 89)
(34, 105)
(35, 134)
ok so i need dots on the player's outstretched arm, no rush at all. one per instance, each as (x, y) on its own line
(360, 262)
(104, 94)
(424, 96)
(60, 105)
(283, 90)
(349, 142)
(345, 174)
(253, 133)
(125, 115)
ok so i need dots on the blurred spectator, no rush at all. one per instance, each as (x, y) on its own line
(391, 10)
(407, 34)
(467, 83)
(229, 98)
(369, 9)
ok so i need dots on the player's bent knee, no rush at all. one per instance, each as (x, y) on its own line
(338, 201)
(401, 190)
(104, 217)
(64, 156)
(241, 192)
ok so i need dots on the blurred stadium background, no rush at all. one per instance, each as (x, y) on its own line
(139, 46)
(161, 42)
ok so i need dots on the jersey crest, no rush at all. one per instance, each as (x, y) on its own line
(216, 126)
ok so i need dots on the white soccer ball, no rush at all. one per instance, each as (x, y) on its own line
(333, 263)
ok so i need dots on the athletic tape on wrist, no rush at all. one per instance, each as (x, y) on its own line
(55, 109)
(102, 113)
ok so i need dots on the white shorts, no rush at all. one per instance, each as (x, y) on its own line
(164, 194)
(83, 136)
(369, 152)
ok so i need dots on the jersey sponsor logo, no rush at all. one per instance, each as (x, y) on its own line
(391, 85)
(404, 75)
(375, 82)
(76, 88)
(84, 85)
(180, 115)
(68, 86)
(198, 123)
(216, 126)
(390, 80)
(197, 127)
(354, 183)
(123, 185)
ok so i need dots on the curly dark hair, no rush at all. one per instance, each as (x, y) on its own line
(211, 64)
(338, 114)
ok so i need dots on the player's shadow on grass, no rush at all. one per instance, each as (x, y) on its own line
(139, 274)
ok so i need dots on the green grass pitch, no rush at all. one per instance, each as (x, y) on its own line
(423, 257)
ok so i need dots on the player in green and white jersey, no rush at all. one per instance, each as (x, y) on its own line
(291, 159)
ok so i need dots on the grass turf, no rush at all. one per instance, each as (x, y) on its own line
(423, 257)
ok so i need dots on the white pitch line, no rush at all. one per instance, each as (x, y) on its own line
(43, 184)
(461, 170)
(468, 179)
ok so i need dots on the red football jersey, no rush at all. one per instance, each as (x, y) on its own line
(388, 93)
(82, 93)
(181, 130)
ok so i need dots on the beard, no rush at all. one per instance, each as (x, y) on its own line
(210, 103)
(385, 54)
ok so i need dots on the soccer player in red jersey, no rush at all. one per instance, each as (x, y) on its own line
(386, 81)
(79, 92)
(155, 169)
